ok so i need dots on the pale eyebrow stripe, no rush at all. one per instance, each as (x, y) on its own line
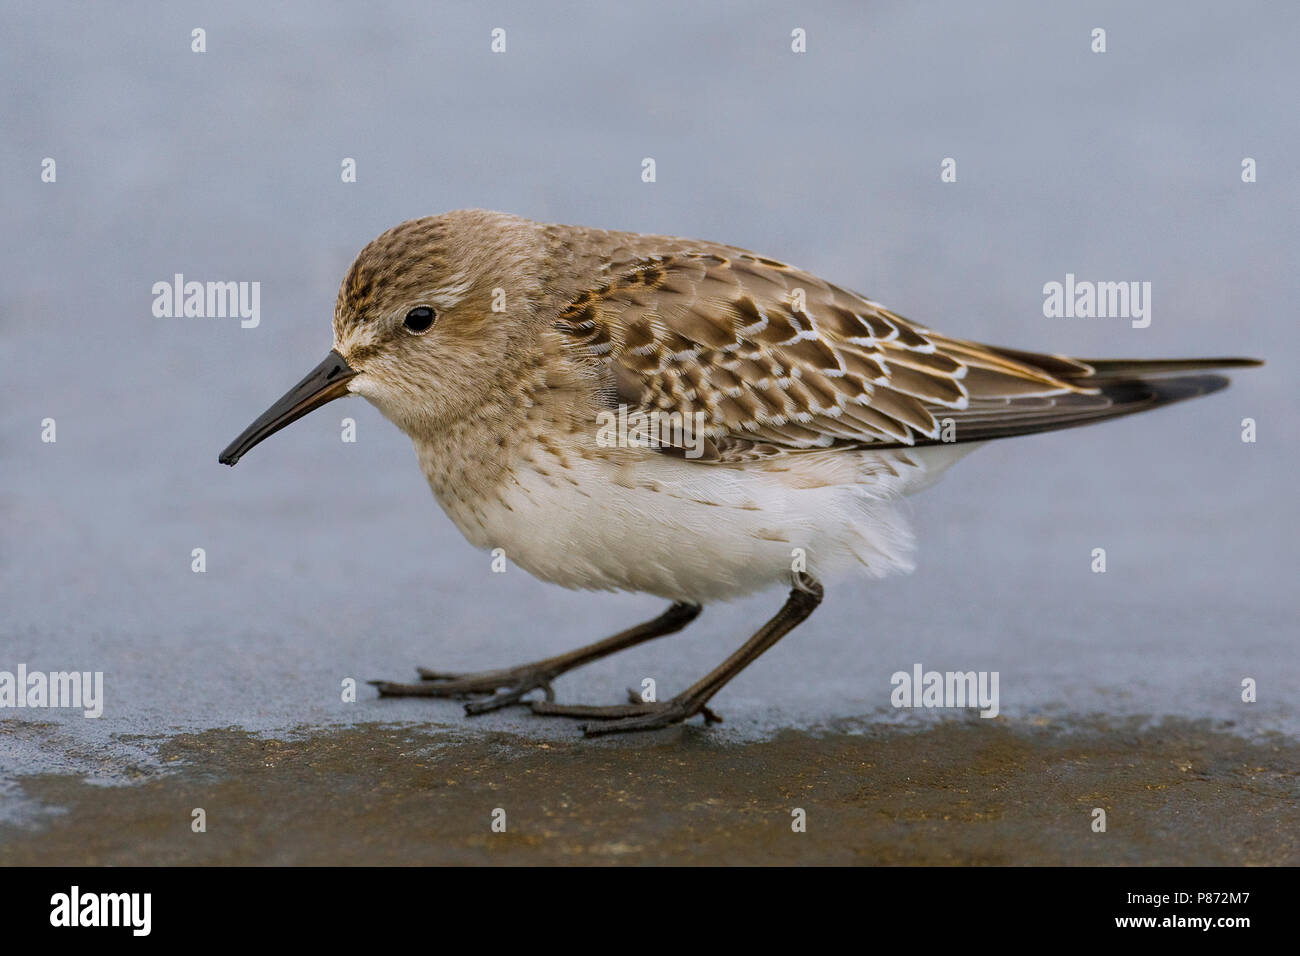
(452, 291)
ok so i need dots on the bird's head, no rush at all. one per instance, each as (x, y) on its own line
(424, 312)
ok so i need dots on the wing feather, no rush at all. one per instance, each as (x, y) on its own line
(776, 360)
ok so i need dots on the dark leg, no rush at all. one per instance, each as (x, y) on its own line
(803, 599)
(515, 682)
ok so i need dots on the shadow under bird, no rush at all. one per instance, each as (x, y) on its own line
(642, 413)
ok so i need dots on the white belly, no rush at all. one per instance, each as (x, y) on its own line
(691, 532)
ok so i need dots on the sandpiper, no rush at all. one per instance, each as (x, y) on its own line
(800, 414)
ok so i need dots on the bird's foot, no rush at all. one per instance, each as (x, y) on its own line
(495, 689)
(632, 716)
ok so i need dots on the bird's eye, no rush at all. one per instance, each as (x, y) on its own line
(420, 319)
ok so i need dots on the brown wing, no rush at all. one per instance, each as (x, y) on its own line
(775, 357)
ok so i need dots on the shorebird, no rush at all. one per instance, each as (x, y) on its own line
(682, 418)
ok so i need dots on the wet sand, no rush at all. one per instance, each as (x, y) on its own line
(958, 792)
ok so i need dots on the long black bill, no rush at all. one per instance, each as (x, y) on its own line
(326, 382)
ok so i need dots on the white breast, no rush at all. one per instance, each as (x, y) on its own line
(686, 531)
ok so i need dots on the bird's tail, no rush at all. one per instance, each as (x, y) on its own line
(1098, 390)
(1140, 368)
(1092, 371)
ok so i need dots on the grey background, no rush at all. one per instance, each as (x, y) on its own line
(328, 560)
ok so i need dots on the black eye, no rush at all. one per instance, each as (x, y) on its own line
(420, 319)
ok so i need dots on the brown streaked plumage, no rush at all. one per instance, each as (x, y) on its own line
(500, 344)
(775, 354)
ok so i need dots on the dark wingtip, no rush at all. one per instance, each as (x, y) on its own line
(1144, 394)
(1138, 368)
(1234, 363)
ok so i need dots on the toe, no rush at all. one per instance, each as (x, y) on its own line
(503, 699)
(664, 718)
(392, 689)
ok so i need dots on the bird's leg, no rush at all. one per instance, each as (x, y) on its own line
(803, 600)
(514, 682)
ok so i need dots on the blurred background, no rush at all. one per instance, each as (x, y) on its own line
(328, 560)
